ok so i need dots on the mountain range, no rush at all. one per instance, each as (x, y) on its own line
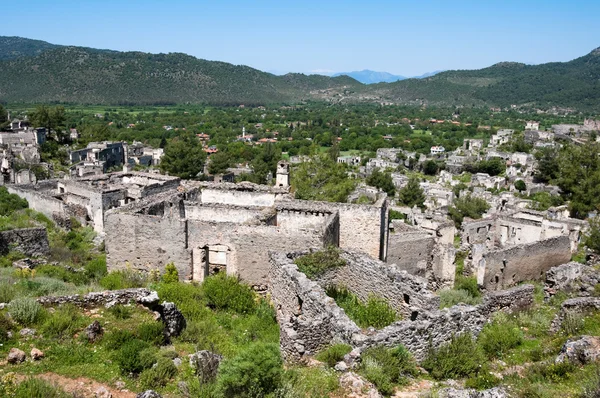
(33, 71)
(367, 76)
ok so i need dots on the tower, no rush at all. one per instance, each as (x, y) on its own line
(283, 174)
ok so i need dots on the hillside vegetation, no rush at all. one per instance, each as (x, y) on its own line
(36, 71)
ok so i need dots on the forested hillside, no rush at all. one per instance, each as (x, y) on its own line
(36, 71)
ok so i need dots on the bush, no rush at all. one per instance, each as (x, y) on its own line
(224, 292)
(117, 338)
(120, 311)
(72, 354)
(96, 269)
(333, 354)
(25, 311)
(5, 326)
(387, 368)
(44, 286)
(452, 297)
(317, 263)
(7, 292)
(467, 207)
(10, 202)
(171, 274)
(152, 333)
(303, 382)
(159, 375)
(123, 279)
(459, 358)
(37, 388)
(256, 371)
(483, 381)
(498, 337)
(469, 284)
(63, 323)
(128, 357)
(375, 313)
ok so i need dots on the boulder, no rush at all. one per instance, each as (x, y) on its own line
(94, 331)
(102, 392)
(205, 364)
(173, 319)
(580, 351)
(16, 356)
(356, 387)
(36, 354)
(148, 394)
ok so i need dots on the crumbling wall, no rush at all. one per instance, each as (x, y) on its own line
(224, 213)
(146, 242)
(310, 321)
(410, 248)
(38, 197)
(29, 241)
(502, 268)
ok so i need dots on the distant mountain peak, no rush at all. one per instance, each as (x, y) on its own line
(367, 76)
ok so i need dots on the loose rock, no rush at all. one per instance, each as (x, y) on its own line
(206, 364)
(173, 319)
(148, 394)
(102, 392)
(16, 356)
(36, 354)
(580, 351)
(94, 331)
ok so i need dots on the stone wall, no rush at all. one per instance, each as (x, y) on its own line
(310, 321)
(501, 268)
(29, 241)
(410, 248)
(39, 198)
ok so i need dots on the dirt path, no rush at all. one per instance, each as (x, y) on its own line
(82, 386)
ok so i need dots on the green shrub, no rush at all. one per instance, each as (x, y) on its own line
(375, 313)
(188, 297)
(8, 259)
(314, 264)
(120, 311)
(224, 292)
(64, 322)
(71, 354)
(95, 269)
(37, 388)
(452, 297)
(5, 327)
(255, 371)
(171, 274)
(550, 373)
(10, 203)
(123, 279)
(26, 311)
(117, 338)
(386, 368)
(469, 284)
(333, 354)
(128, 357)
(152, 333)
(7, 292)
(43, 286)
(159, 375)
(459, 358)
(500, 336)
(483, 381)
(303, 382)
(572, 324)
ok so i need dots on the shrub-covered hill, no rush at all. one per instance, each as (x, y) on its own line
(573, 84)
(85, 75)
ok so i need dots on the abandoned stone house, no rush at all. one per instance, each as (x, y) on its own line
(518, 246)
(208, 227)
(87, 199)
(103, 154)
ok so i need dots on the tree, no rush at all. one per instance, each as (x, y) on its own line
(579, 178)
(382, 181)
(547, 166)
(50, 118)
(322, 179)
(520, 185)
(219, 163)
(412, 194)
(183, 157)
(467, 206)
(3, 118)
(430, 167)
(592, 239)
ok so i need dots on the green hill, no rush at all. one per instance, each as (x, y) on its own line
(84, 75)
(574, 84)
(36, 71)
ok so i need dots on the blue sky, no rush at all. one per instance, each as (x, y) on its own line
(401, 37)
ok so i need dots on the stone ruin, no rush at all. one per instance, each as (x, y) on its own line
(310, 321)
(205, 228)
(517, 246)
(27, 241)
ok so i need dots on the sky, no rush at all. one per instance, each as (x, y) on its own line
(408, 38)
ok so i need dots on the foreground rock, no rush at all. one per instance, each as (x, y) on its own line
(16, 356)
(36, 354)
(94, 331)
(495, 392)
(205, 364)
(580, 351)
(356, 387)
(148, 394)
(173, 319)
